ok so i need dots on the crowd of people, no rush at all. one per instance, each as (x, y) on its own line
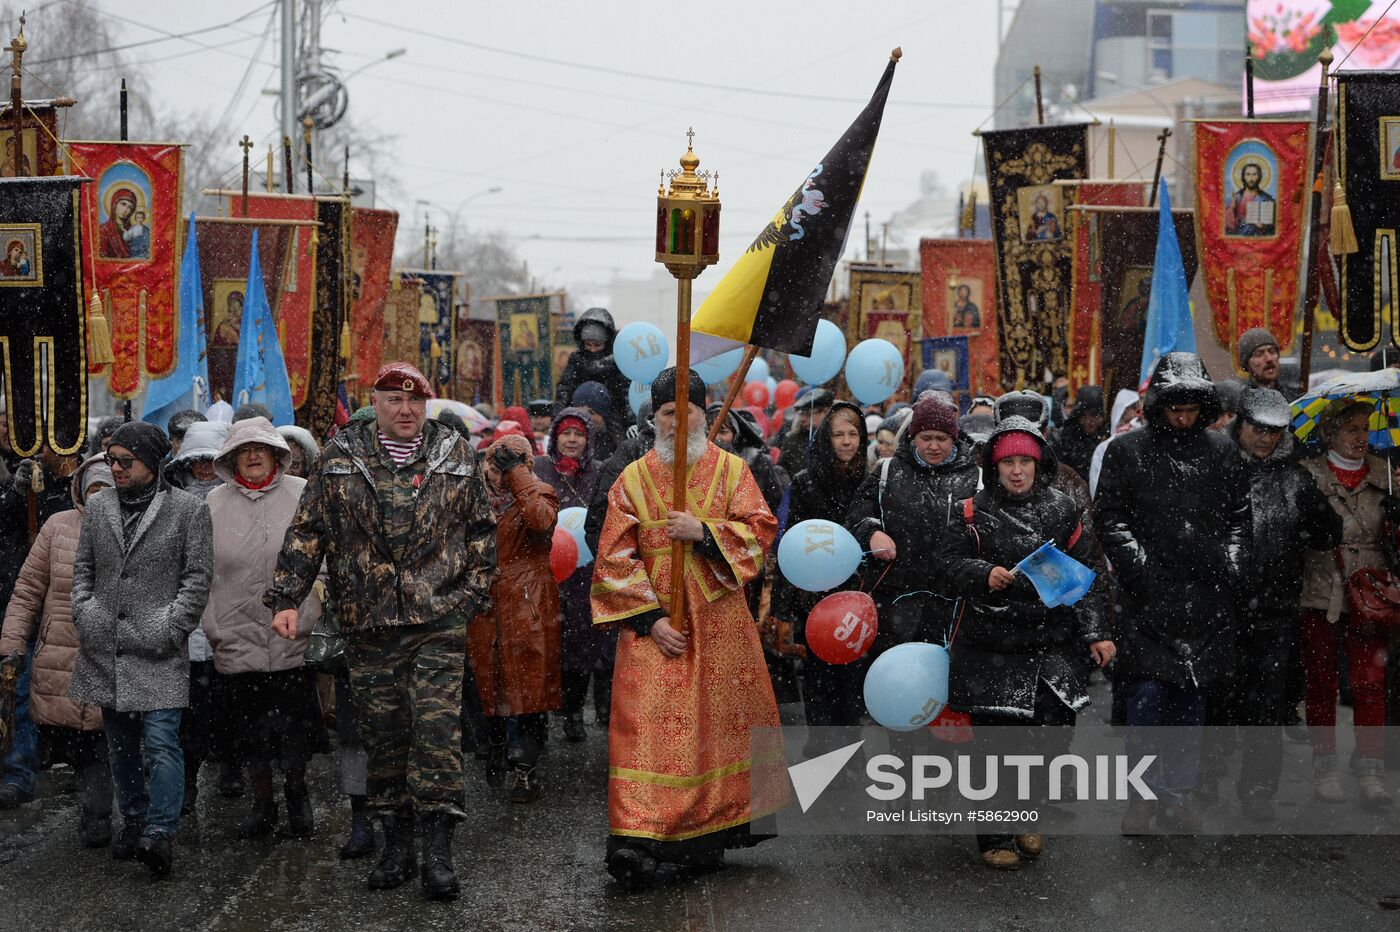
(227, 592)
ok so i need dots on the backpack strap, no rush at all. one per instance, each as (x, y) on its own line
(969, 510)
(880, 494)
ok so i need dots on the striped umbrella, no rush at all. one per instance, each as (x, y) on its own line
(1380, 390)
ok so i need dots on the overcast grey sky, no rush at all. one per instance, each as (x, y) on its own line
(575, 148)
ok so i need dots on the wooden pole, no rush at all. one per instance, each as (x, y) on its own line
(287, 162)
(681, 468)
(271, 168)
(246, 145)
(1316, 249)
(1039, 99)
(734, 390)
(122, 113)
(310, 178)
(1161, 155)
(1112, 145)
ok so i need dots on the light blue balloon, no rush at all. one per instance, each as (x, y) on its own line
(874, 370)
(758, 371)
(718, 368)
(641, 351)
(828, 353)
(907, 686)
(571, 520)
(818, 555)
(772, 385)
(638, 393)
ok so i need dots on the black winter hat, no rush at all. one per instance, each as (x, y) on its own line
(1088, 400)
(664, 389)
(146, 442)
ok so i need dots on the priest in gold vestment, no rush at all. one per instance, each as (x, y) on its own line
(685, 692)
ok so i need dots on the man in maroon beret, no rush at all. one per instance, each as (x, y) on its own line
(399, 513)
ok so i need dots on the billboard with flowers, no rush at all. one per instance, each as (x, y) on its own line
(1286, 36)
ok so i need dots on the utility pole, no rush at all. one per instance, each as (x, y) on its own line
(289, 70)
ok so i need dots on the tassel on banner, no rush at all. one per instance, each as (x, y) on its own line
(345, 340)
(99, 334)
(1343, 235)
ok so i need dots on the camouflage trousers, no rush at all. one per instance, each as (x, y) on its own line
(407, 684)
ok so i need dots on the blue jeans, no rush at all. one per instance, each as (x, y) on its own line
(1172, 776)
(23, 757)
(160, 732)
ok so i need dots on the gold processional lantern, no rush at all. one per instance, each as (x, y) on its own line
(687, 241)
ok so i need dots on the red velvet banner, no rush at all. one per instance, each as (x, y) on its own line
(294, 301)
(372, 255)
(1252, 213)
(1086, 290)
(131, 237)
(959, 299)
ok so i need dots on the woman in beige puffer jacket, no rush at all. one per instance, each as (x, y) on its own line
(72, 730)
(271, 694)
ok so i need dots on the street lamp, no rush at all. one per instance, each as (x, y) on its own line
(687, 241)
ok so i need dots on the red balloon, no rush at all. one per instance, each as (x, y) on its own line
(786, 394)
(842, 627)
(756, 394)
(951, 726)
(563, 555)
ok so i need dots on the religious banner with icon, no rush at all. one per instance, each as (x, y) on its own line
(959, 299)
(131, 231)
(225, 246)
(1253, 180)
(330, 312)
(43, 330)
(474, 368)
(1034, 252)
(292, 303)
(38, 135)
(523, 336)
(1126, 285)
(437, 311)
(949, 355)
(887, 304)
(1368, 160)
(371, 255)
(401, 328)
(1085, 347)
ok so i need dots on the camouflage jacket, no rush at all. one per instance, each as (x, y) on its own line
(447, 561)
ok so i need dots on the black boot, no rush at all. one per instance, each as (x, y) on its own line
(574, 731)
(157, 852)
(361, 841)
(496, 765)
(632, 868)
(124, 848)
(231, 784)
(397, 864)
(95, 829)
(261, 819)
(300, 819)
(439, 878)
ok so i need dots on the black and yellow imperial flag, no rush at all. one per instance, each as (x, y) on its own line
(42, 324)
(1368, 156)
(773, 295)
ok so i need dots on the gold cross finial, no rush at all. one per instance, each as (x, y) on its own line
(245, 143)
(690, 138)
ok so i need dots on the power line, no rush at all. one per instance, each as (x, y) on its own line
(166, 37)
(622, 73)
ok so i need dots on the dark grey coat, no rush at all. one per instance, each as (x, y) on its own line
(134, 607)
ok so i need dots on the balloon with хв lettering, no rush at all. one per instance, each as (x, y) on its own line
(818, 555)
(641, 351)
(874, 370)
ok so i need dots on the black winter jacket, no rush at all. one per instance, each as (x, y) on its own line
(915, 506)
(1008, 641)
(584, 366)
(1288, 513)
(1174, 518)
(818, 492)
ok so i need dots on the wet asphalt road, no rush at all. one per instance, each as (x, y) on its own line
(540, 867)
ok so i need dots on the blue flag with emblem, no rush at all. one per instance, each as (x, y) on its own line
(1059, 579)
(187, 387)
(261, 373)
(1169, 327)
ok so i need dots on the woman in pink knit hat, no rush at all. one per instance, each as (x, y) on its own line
(1015, 661)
